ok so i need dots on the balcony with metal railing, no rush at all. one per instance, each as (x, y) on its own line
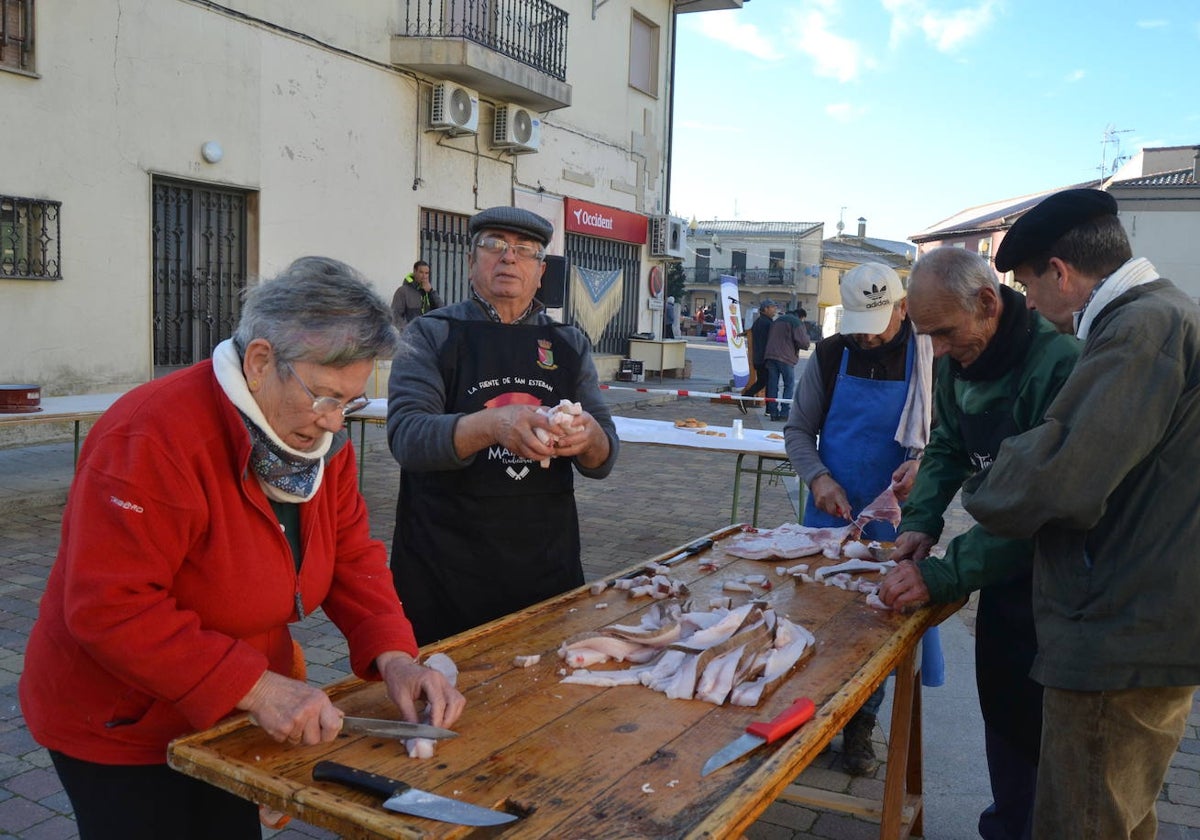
(745, 276)
(511, 50)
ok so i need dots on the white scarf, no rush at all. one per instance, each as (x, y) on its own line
(1136, 272)
(227, 366)
(913, 431)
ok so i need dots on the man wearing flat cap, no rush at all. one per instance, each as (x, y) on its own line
(486, 521)
(1107, 488)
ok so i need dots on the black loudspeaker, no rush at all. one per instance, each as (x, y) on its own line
(553, 293)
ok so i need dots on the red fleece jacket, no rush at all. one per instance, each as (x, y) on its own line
(174, 585)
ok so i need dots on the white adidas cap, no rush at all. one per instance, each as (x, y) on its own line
(868, 293)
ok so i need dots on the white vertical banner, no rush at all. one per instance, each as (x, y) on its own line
(731, 310)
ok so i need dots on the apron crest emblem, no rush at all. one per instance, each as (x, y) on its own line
(517, 476)
(545, 355)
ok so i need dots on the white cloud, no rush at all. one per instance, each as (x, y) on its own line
(946, 31)
(834, 56)
(728, 29)
(844, 111)
(1076, 75)
(1157, 23)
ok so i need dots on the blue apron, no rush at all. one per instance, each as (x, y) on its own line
(857, 442)
(858, 445)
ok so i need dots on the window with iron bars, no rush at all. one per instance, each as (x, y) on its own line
(29, 239)
(16, 34)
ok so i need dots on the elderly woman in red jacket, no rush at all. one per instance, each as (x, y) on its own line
(211, 509)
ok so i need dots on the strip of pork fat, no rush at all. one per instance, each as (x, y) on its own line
(789, 541)
(792, 643)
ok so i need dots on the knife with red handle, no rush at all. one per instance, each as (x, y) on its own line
(760, 733)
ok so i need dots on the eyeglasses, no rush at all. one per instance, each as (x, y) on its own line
(328, 405)
(497, 248)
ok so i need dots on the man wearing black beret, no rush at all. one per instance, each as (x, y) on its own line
(486, 521)
(1107, 487)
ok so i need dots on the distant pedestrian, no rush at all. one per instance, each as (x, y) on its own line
(415, 297)
(787, 337)
(767, 310)
(671, 319)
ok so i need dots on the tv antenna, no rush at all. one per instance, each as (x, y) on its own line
(841, 225)
(1111, 138)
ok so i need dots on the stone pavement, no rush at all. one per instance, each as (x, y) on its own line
(655, 499)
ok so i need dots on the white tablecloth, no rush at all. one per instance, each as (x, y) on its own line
(665, 433)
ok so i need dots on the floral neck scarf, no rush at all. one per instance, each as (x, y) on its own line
(286, 474)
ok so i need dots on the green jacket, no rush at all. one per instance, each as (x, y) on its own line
(977, 558)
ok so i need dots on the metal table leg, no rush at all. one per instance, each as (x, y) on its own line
(737, 487)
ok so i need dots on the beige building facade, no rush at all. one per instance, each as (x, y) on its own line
(162, 154)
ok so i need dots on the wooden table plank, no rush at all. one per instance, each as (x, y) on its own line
(582, 761)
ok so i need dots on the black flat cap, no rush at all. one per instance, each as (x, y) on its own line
(1034, 233)
(512, 219)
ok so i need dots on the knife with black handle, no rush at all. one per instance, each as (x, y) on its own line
(406, 799)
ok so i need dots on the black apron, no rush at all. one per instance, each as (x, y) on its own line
(1005, 641)
(475, 544)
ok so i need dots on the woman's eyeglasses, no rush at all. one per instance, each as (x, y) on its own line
(328, 405)
(497, 247)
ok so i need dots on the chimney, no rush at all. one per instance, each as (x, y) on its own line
(862, 227)
(1196, 167)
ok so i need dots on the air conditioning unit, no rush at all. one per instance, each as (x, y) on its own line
(667, 237)
(454, 109)
(517, 129)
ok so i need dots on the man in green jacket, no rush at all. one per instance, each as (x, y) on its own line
(1000, 365)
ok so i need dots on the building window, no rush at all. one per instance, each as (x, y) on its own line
(643, 55)
(776, 261)
(29, 240)
(16, 34)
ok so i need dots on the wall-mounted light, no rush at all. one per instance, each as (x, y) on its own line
(212, 152)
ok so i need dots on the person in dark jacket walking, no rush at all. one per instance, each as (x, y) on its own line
(785, 340)
(767, 310)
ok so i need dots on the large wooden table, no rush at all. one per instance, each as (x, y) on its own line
(602, 763)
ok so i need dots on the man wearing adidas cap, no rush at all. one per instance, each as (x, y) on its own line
(852, 395)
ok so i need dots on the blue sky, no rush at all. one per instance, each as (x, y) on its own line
(908, 111)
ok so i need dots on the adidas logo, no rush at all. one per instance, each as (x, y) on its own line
(877, 296)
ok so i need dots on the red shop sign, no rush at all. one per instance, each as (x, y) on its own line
(606, 222)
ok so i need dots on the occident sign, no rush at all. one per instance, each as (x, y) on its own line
(583, 217)
(607, 222)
